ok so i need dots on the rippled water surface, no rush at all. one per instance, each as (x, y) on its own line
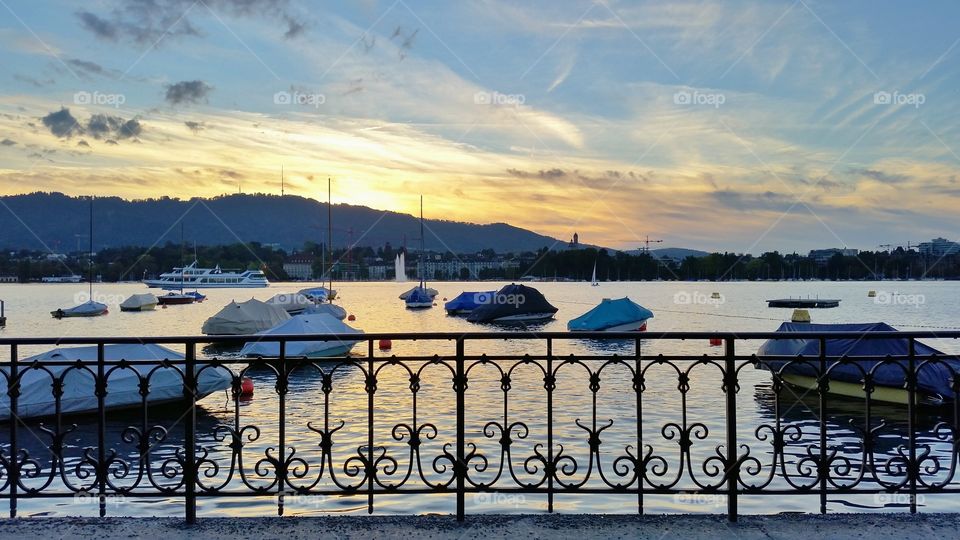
(376, 307)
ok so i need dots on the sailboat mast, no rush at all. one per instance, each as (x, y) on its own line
(90, 253)
(182, 269)
(422, 277)
(330, 236)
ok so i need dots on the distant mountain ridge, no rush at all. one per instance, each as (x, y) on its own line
(59, 222)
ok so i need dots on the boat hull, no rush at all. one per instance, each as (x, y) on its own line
(885, 394)
(634, 326)
(157, 284)
(523, 317)
(59, 314)
(148, 307)
(163, 301)
(419, 305)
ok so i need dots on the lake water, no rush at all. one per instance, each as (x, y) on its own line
(678, 306)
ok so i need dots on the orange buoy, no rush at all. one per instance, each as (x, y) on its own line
(246, 387)
(385, 344)
(716, 341)
(351, 318)
(444, 298)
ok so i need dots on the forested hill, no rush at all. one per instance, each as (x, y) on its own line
(58, 222)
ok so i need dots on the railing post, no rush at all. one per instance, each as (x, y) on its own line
(823, 386)
(370, 388)
(461, 468)
(13, 392)
(638, 388)
(190, 434)
(549, 387)
(282, 386)
(730, 383)
(101, 391)
(913, 470)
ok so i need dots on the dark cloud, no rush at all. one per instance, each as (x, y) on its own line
(62, 124)
(8, 142)
(546, 174)
(880, 176)
(767, 200)
(295, 28)
(101, 28)
(195, 127)
(102, 126)
(83, 143)
(153, 22)
(187, 92)
(39, 83)
(111, 142)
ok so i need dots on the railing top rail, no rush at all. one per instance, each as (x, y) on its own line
(476, 336)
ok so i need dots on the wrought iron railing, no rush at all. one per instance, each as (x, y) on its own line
(679, 419)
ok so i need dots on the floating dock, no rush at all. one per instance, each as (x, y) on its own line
(805, 303)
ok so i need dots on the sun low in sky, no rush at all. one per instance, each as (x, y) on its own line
(740, 126)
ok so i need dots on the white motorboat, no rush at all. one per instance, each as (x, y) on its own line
(313, 325)
(123, 385)
(328, 309)
(139, 302)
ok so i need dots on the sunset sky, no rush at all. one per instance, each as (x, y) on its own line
(741, 126)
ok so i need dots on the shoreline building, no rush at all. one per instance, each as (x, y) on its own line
(938, 247)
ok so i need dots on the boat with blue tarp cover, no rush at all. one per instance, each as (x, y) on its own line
(468, 301)
(883, 359)
(613, 315)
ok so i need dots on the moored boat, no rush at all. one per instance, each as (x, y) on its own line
(211, 278)
(139, 302)
(175, 299)
(883, 358)
(466, 302)
(313, 325)
(243, 318)
(292, 303)
(514, 304)
(619, 315)
(89, 308)
(79, 390)
(431, 292)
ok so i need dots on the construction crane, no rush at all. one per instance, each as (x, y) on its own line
(647, 241)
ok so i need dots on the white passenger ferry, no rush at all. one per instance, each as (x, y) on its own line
(196, 278)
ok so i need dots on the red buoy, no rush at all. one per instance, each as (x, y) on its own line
(716, 342)
(385, 344)
(351, 318)
(643, 327)
(246, 387)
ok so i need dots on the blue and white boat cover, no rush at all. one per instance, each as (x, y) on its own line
(419, 295)
(469, 301)
(931, 377)
(312, 325)
(610, 313)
